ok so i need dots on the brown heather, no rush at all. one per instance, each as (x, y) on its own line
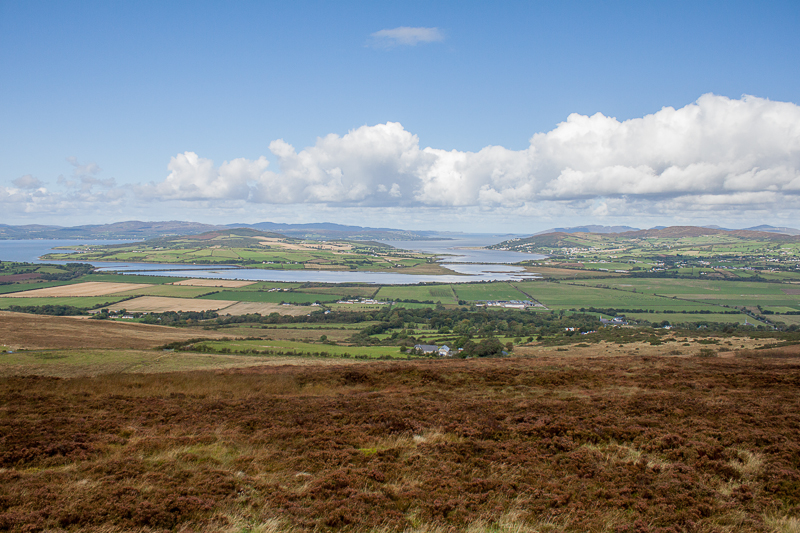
(658, 444)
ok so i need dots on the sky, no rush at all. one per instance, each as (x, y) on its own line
(467, 116)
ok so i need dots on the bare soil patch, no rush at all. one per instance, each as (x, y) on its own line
(161, 304)
(90, 288)
(227, 283)
(24, 331)
(20, 277)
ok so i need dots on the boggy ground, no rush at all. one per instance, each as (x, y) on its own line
(620, 444)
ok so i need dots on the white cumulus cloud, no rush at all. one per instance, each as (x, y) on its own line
(196, 178)
(716, 148)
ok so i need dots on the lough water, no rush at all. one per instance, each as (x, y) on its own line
(494, 265)
(463, 249)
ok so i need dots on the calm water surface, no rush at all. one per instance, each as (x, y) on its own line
(460, 260)
(461, 250)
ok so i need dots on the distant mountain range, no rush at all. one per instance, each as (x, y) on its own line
(625, 229)
(773, 229)
(137, 230)
(327, 231)
(134, 229)
(670, 236)
(588, 229)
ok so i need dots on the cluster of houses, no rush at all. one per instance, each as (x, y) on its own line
(616, 321)
(442, 351)
(362, 301)
(509, 304)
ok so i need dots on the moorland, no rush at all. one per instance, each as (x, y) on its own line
(657, 399)
(662, 436)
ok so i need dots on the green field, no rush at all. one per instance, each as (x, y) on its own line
(571, 296)
(358, 291)
(443, 293)
(325, 325)
(420, 293)
(789, 320)
(782, 310)
(413, 305)
(450, 294)
(301, 348)
(358, 307)
(131, 278)
(738, 293)
(18, 287)
(781, 276)
(267, 285)
(481, 292)
(81, 302)
(681, 318)
(270, 297)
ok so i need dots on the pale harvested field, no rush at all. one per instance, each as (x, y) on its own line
(162, 304)
(271, 241)
(227, 283)
(244, 308)
(25, 331)
(90, 288)
(787, 319)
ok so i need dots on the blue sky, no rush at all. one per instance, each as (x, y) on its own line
(380, 113)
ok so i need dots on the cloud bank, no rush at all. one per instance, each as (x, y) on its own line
(715, 155)
(715, 151)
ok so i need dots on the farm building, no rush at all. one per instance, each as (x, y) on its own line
(426, 348)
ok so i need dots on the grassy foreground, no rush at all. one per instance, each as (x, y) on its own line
(538, 444)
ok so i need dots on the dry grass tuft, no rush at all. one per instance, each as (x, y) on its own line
(747, 463)
(782, 524)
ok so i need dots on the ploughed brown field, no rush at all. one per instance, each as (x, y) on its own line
(623, 444)
(264, 309)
